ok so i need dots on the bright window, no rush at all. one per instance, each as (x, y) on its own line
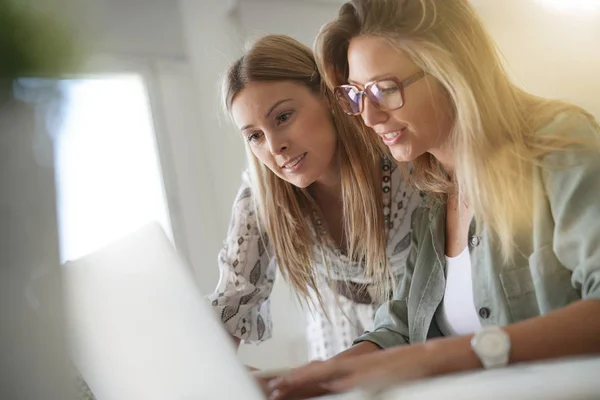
(108, 174)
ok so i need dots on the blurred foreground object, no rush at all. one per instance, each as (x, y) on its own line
(33, 43)
(34, 363)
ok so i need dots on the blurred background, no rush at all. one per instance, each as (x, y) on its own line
(144, 137)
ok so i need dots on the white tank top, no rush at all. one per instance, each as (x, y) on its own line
(457, 314)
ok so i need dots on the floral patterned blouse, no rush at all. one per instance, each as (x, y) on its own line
(248, 268)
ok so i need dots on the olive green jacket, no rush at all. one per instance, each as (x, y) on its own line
(557, 264)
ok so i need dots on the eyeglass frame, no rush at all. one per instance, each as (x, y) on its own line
(364, 93)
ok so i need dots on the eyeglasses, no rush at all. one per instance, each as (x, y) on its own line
(385, 94)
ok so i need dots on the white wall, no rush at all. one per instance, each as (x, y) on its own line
(140, 27)
(550, 52)
(145, 28)
(300, 19)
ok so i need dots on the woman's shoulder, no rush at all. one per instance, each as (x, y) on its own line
(574, 123)
(244, 193)
(569, 138)
(243, 212)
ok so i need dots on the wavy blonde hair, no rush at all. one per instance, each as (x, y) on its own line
(285, 211)
(494, 122)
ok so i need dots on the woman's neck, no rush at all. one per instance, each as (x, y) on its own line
(327, 194)
(327, 190)
(445, 156)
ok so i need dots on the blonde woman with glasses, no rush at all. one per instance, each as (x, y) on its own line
(320, 201)
(505, 259)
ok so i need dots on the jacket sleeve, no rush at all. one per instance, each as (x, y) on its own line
(391, 319)
(572, 184)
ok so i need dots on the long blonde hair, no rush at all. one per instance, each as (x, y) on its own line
(494, 122)
(285, 211)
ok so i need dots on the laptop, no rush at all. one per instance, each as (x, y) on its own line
(139, 328)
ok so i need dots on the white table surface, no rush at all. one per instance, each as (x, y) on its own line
(576, 378)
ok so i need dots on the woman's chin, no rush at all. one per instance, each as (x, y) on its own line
(401, 153)
(301, 182)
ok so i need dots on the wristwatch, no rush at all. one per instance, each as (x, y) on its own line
(492, 345)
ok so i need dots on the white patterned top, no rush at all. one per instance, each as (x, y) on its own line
(247, 273)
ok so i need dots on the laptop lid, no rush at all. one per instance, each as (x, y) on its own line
(140, 329)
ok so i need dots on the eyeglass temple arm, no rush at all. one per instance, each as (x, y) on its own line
(412, 79)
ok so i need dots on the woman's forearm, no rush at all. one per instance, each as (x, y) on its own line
(570, 331)
(359, 349)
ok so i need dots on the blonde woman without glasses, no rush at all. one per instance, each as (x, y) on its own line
(320, 201)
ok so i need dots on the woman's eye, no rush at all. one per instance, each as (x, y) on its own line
(253, 137)
(284, 117)
(388, 90)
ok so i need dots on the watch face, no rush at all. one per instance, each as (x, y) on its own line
(493, 344)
